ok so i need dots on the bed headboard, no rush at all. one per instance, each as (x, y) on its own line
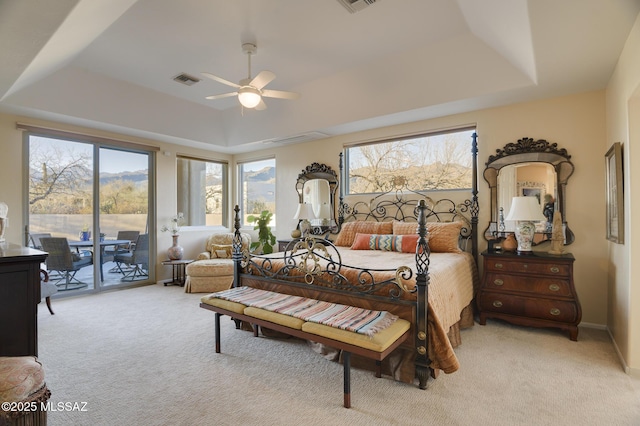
(401, 204)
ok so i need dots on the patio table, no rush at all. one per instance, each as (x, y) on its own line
(103, 244)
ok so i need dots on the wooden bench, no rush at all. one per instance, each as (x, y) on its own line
(377, 346)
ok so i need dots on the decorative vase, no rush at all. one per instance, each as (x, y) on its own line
(509, 243)
(175, 252)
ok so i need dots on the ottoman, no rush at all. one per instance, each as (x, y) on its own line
(209, 275)
(22, 391)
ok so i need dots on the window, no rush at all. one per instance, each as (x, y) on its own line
(257, 187)
(202, 192)
(439, 161)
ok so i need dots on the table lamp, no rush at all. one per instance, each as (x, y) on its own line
(304, 213)
(525, 211)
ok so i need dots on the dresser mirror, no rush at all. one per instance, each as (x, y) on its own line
(533, 168)
(317, 186)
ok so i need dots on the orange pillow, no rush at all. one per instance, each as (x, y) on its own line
(386, 242)
(443, 236)
(349, 230)
(404, 228)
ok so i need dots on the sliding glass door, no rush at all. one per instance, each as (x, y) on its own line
(88, 207)
(123, 216)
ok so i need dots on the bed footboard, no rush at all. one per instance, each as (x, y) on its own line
(312, 267)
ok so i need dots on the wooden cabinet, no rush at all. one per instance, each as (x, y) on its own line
(532, 290)
(282, 244)
(19, 298)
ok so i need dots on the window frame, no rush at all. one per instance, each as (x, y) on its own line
(225, 191)
(347, 177)
(240, 191)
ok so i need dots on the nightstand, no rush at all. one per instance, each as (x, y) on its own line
(282, 244)
(533, 290)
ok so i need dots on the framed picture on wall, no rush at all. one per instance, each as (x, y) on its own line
(615, 194)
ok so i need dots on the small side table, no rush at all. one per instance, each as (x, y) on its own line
(282, 244)
(178, 276)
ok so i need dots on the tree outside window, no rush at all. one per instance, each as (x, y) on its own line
(425, 163)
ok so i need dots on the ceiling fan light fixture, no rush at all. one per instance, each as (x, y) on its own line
(249, 96)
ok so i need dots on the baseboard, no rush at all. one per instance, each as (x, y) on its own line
(623, 363)
(593, 325)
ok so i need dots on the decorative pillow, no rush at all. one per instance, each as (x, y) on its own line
(386, 242)
(404, 228)
(349, 230)
(443, 236)
(221, 251)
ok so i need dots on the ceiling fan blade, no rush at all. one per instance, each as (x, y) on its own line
(220, 80)
(280, 94)
(261, 105)
(223, 95)
(262, 79)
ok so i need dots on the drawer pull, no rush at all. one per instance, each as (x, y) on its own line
(498, 265)
(554, 287)
(554, 311)
(497, 303)
(525, 266)
(498, 282)
(555, 269)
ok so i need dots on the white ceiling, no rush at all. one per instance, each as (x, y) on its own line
(109, 64)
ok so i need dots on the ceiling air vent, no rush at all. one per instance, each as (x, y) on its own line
(354, 6)
(186, 79)
(303, 137)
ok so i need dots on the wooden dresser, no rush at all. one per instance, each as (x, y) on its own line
(532, 290)
(19, 298)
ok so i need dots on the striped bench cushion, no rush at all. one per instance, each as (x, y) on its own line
(350, 318)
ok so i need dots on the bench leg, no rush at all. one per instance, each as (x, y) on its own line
(218, 332)
(346, 361)
(378, 369)
(256, 329)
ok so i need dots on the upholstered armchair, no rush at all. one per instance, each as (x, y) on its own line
(213, 268)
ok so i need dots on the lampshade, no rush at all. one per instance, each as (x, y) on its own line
(304, 211)
(249, 96)
(526, 209)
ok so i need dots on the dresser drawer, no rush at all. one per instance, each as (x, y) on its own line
(547, 268)
(547, 309)
(534, 285)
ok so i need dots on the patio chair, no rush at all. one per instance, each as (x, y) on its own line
(62, 260)
(110, 252)
(138, 259)
(34, 240)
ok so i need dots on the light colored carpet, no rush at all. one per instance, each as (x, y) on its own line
(145, 356)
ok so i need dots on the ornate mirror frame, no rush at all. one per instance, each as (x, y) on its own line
(323, 172)
(527, 150)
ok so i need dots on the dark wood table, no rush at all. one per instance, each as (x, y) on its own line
(178, 275)
(19, 298)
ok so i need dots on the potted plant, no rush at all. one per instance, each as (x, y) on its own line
(266, 239)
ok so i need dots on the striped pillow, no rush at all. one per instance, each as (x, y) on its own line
(399, 243)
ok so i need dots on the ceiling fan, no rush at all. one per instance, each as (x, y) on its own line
(251, 91)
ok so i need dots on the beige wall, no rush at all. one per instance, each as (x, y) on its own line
(576, 123)
(623, 125)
